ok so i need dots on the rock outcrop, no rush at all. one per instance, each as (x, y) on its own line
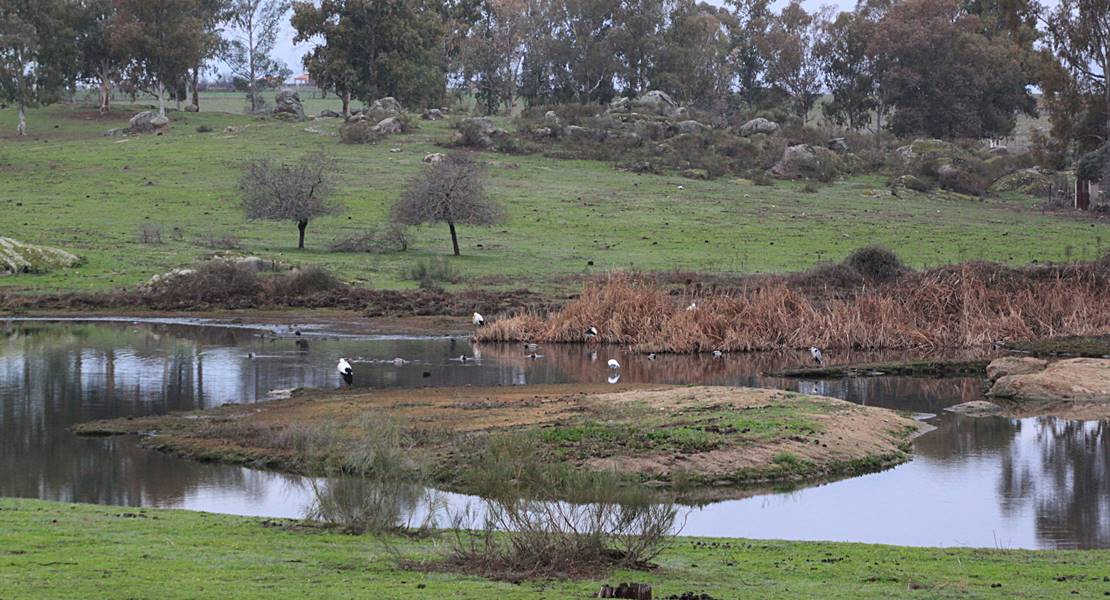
(759, 125)
(21, 257)
(288, 102)
(805, 161)
(1014, 365)
(1072, 380)
(148, 122)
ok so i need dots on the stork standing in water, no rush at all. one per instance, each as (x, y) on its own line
(478, 320)
(818, 358)
(345, 371)
(614, 365)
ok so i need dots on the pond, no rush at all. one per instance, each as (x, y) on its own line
(994, 482)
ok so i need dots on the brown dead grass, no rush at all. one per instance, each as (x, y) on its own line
(967, 305)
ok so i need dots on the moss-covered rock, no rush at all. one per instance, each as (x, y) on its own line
(1032, 182)
(929, 150)
(21, 257)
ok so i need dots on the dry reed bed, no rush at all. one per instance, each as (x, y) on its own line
(965, 305)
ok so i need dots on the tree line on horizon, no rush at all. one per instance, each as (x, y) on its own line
(941, 68)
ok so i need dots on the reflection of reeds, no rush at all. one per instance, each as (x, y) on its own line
(961, 306)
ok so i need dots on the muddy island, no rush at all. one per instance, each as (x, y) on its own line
(698, 441)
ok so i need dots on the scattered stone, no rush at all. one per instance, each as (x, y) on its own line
(328, 113)
(389, 125)
(288, 102)
(1014, 365)
(759, 125)
(695, 174)
(660, 103)
(838, 145)
(232, 129)
(192, 108)
(807, 161)
(432, 114)
(21, 257)
(976, 408)
(433, 158)
(577, 133)
(1072, 380)
(148, 122)
(114, 132)
(383, 108)
(690, 126)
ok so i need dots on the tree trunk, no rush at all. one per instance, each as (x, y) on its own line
(21, 129)
(193, 85)
(105, 95)
(346, 104)
(301, 227)
(454, 237)
(161, 99)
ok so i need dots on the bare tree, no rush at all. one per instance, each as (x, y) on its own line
(288, 191)
(254, 25)
(448, 191)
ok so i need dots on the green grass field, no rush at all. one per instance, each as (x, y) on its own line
(69, 186)
(53, 550)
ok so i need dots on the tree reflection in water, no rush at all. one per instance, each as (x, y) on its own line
(1052, 474)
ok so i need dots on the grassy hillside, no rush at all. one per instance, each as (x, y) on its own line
(68, 186)
(51, 550)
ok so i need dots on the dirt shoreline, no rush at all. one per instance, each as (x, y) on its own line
(712, 442)
(336, 321)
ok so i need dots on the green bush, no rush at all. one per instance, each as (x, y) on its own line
(431, 274)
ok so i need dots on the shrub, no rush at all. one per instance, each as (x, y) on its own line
(215, 281)
(225, 241)
(150, 234)
(876, 263)
(431, 274)
(302, 282)
(605, 522)
(962, 181)
(359, 132)
(383, 240)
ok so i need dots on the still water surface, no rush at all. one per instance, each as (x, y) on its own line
(995, 482)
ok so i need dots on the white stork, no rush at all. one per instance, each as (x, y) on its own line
(478, 320)
(345, 371)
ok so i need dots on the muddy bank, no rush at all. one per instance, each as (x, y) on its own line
(1078, 346)
(321, 321)
(366, 302)
(916, 368)
(697, 441)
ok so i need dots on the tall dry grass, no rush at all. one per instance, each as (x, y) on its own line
(964, 305)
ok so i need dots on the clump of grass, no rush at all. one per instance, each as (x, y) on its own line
(225, 241)
(150, 234)
(433, 273)
(204, 129)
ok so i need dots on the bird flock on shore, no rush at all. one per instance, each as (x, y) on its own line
(346, 371)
